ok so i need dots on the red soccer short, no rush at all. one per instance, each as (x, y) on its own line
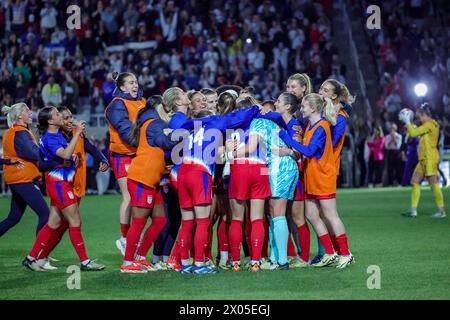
(299, 194)
(321, 197)
(249, 181)
(143, 196)
(194, 186)
(120, 165)
(60, 193)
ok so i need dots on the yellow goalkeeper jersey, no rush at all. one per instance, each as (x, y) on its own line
(429, 137)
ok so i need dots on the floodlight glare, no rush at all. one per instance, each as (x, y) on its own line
(421, 89)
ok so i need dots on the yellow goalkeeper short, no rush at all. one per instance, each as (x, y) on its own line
(427, 167)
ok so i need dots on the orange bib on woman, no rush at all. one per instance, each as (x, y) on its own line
(148, 166)
(79, 180)
(117, 145)
(12, 174)
(338, 147)
(320, 174)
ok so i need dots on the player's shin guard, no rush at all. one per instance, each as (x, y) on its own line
(336, 247)
(273, 245)
(415, 195)
(304, 238)
(438, 197)
(76, 237)
(281, 233)
(201, 239)
(133, 236)
(184, 238)
(151, 234)
(257, 239)
(235, 238)
(42, 239)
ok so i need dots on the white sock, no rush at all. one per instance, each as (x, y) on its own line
(85, 262)
(31, 258)
(127, 263)
(123, 239)
(255, 262)
(199, 264)
(156, 259)
(138, 257)
(165, 258)
(224, 255)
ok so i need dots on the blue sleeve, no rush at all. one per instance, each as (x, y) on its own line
(338, 130)
(5, 162)
(156, 136)
(273, 116)
(25, 146)
(54, 143)
(240, 118)
(96, 154)
(117, 116)
(317, 142)
(348, 108)
(178, 119)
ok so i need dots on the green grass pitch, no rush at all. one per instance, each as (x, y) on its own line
(413, 256)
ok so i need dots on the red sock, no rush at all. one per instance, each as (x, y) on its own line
(176, 250)
(124, 228)
(42, 239)
(235, 238)
(291, 251)
(266, 240)
(342, 243)
(248, 232)
(335, 244)
(184, 238)
(201, 239)
(133, 236)
(54, 240)
(326, 241)
(208, 253)
(151, 234)
(257, 238)
(304, 238)
(222, 236)
(78, 243)
(191, 243)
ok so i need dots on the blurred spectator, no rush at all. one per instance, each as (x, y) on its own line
(51, 93)
(376, 157)
(393, 155)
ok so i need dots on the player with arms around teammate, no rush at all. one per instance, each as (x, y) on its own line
(120, 114)
(60, 187)
(428, 164)
(144, 176)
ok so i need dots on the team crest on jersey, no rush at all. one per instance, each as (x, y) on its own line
(70, 194)
(149, 199)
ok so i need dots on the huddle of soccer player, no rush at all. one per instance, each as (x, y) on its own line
(261, 170)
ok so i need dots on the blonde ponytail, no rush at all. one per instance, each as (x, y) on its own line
(322, 105)
(13, 112)
(329, 112)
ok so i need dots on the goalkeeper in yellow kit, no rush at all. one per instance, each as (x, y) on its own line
(428, 164)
